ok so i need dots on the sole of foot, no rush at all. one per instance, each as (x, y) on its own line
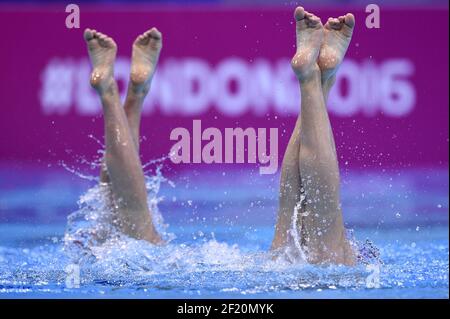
(310, 33)
(145, 55)
(102, 52)
(337, 36)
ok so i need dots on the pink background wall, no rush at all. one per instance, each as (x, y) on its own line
(391, 108)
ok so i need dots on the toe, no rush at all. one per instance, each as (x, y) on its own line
(141, 39)
(334, 23)
(154, 33)
(299, 13)
(328, 23)
(313, 21)
(348, 24)
(349, 20)
(88, 34)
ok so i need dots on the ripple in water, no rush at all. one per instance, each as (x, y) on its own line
(111, 261)
(108, 257)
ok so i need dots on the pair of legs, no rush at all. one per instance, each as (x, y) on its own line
(310, 168)
(310, 215)
(121, 168)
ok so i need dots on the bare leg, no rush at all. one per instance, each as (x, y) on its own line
(320, 222)
(289, 196)
(309, 38)
(121, 157)
(337, 36)
(145, 55)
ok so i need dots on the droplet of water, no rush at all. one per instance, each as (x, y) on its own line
(305, 214)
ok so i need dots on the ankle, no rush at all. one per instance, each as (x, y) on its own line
(137, 92)
(305, 72)
(312, 77)
(327, 83)
(139, 82)
(102, 83)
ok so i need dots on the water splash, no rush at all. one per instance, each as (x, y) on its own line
(112, 258)
(78, 173)
(92, 225)
(295, 230)
(117, 265)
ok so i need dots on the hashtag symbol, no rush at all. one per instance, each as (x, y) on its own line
(57, 86)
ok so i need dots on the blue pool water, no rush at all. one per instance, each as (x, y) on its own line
(221, 225)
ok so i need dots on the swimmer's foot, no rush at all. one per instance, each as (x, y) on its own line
(337, 36)
(310, 35)
(146, 49)
(102, 52)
